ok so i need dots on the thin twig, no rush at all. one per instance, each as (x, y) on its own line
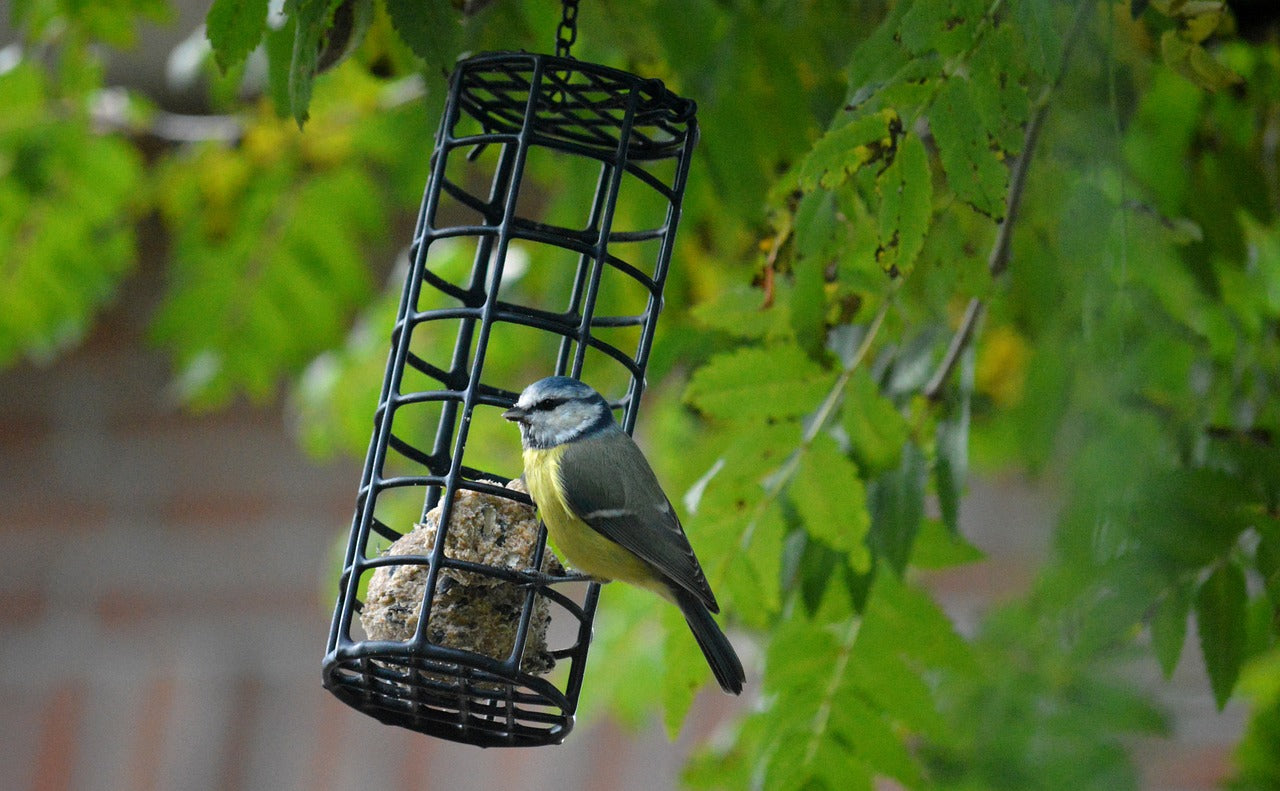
(959, 341)
(998, 260)
(770, 271)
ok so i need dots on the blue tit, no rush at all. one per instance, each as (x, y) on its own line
(605, 511)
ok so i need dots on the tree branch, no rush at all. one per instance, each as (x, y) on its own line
(998, 260)
(959, 341)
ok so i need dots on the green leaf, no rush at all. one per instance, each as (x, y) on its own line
(684, 671)
(887, 670)
(1117, 705)
(808, 762)
(429, 27)
(279, 46)
(974, 171)
(738, 535)
(846, 698)
(754, 382)
(335, 393)
(1194, 62)
(625, 640)
(906, 206)
(1169, 627)
(744, 560)
(1258, 753)
(870, 737)
(1220, 612)
(876, 429)
(312, 19)
(739, 310)
(912, 86)
(802, 650)
(1114, 601)
(733, 762)
(234, 28)
(1001, 97)
(1261, 626)
(807, 668)
(808, 312)
(938, 547)
(818, 239)
(846, 149)
(818, 565)
(897, 506)
(1161, 130)
(1041, 36)
(832, 501)
(1191, 517)
(1267, 561)
(819, 235)
(945, 26)
(904, 620)
(878, 57)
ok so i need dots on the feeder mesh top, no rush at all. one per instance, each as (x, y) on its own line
(579, 103)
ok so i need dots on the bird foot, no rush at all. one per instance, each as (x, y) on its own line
(542, 578)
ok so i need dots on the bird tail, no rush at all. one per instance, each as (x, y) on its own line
(715, 646)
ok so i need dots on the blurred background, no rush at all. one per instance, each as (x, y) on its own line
(171, 535)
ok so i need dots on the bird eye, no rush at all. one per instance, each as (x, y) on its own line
(548, 404)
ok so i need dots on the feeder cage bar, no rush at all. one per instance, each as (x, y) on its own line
(506, 114)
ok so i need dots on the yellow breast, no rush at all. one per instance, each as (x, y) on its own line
(574, 540)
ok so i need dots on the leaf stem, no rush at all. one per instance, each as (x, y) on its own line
(823, 413)
(823, 714)
(959, 341)
(778, 481)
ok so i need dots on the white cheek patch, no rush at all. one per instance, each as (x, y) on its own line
(569, 420)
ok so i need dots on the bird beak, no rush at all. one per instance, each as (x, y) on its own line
(516, 414)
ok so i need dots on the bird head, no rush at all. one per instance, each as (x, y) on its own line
(557, 410)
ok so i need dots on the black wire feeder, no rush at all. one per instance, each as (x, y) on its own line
(638, 137)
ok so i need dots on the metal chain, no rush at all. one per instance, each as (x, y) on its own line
(567, 32)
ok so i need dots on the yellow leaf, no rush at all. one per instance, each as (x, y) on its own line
(1193, 62)
(1199, 28)
(1001, 371)
(1211, 74)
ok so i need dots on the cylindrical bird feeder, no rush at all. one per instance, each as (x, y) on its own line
(454, 616)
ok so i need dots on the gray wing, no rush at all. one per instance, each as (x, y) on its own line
(613, 489)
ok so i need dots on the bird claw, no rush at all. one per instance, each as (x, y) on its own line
(541, 578)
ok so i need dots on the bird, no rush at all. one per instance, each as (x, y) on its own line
(607, 514)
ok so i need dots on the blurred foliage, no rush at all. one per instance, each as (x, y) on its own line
(1258, 756)
(919, 237)
(67, 206)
